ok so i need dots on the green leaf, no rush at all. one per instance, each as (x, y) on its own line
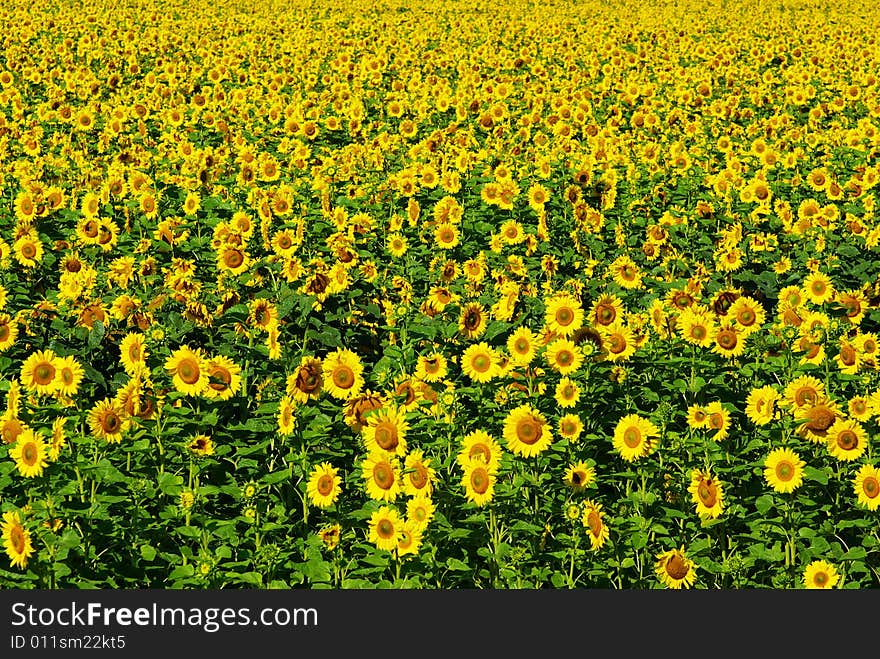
(148, 553)
(457, 565)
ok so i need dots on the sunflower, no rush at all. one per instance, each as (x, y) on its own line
(817, 288)
(420, 511)
(381, 473)
(760, 405)
(324, 485)
(748, 315)
(342, 374)
(804, 391)
(418, 475)
(567, 393)
(330, 535)
(816, 420)
(593, 519)
(59, 439)
(232, 259)
(188, 369)
(410, 539)
(29, 453)
(859, 408)
(607, 309)
(446, 235)
(707, 493)
(675, 569)
(619, 341)
(847, 440)
(521, 346)
(28, 250)
(697, 417)
(69, 376)
(563, 315)
(224, 378)
(386, 430)
(286, 416)
(480, 362)
(396, 244)
(39, 372)
(16, 539)
(8, 332)
(480, 445)
(386, 528)
(625, 272)
(634, 437)
(784, 470)
(478, 482)
(472, 320)
(526, 431)
(358, 407)
(717, 419)
(107, 421)
(867, 486)
(262, 314)
(201, 445)
(728, 341)
(579, 476)
(820, 575)
(570, 427)
(307, 382)
(431, 367)
(564, 356)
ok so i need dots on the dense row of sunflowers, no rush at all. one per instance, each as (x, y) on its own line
(416, 296)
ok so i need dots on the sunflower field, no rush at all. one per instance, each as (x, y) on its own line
(472, 294)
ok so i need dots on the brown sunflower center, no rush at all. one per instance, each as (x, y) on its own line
(820, 578)
(785, 471)
(727, 339)
(188, 370)
(699, 332)
(418, 476)
(308, 379)
(28, 250)
(871, 487)
(44, 373)
(616, 343)
(386, 435)
(847, 440)
(480, 480)
(481, 451)
(564, 316)
(383, 475)
(594, 521)
(30, 454)
(820, 419)
(605, 314)
(481, 363)
(677, 568)
(385, 529)
(325, 485)
(708, 493)
(343, 376)
(233, 258)
(16, 537)
(528, 430)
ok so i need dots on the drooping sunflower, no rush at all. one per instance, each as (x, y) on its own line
(386, 430)
(675, 569)
(418, 475)
(707, 493)
(593, 519)
(472, 320)
(107, 421)
(847, 439)
(480, 362)
(386, 527)
(307, 381)
(563, 314)
(634, 437)
(38, 373)
(784, 470)
(342, 374)
(760, 404)
(324, 485)
(866, 485)
(480, 445)
(478, 482)
(29, 453)
(820, 575)
(564, 356)
(526, 431)
(381, 474)
(16, 539)
(358, 407)
(579, 476)
(188, 370)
